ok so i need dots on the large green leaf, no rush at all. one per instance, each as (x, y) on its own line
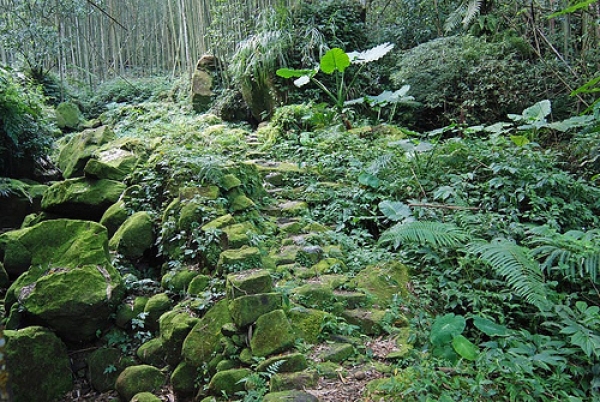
(489, 327)
(465, 348)
(293, 73)
(334, 59)
(445, 328)
(395, 210)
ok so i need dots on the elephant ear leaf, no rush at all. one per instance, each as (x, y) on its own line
(465, 348)
(334, 59)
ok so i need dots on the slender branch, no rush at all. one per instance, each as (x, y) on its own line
(445, 206)
(93, 4)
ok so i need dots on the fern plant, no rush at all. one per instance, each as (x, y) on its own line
(436, 234)
(574, 254)
(465, 13)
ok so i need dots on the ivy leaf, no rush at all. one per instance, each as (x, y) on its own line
(394, 210)
(373, 54)
(465, 348)
(489, 327)
(334, 59)
(445, 328)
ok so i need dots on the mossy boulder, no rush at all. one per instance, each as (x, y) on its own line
(205, 338)
(307, 323)
(239, 234)
(114, 217)
(272, 334)
(19, 199)
(198, 285)
(240, 202)
(202, 94)
(152, 353)
(68, 115)
(315, 295)
(82, 198)
(104, 366)
(38, 365)
(251, 282)
(293, 208)
(78, 150)
(135, 236)
(74, 302)
(330, 266)
(228, 381)
(219, 223)
(156, 306)
(383, 282)
(229, 181)
(337, 352)
(290, 396)
(183, 379)
(239, 259)
(136, 379)
(370, 321)
(174, 328)
(288, 363)
(129, 310)
(60, 242)
(208, 192)
(145, 397)
(297, 380)
(245, 310)
(113, 164)
(178, 280)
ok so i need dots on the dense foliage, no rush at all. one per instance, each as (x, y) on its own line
(25, 128)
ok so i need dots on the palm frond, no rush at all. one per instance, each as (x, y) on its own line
(516, 264)
(454, 18)
(435, 234)
(575, 254)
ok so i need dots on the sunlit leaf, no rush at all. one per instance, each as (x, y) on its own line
(373, 54)
(334, 60)
(395, 210)
(465, 348)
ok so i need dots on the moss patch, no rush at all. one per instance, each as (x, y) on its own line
(273, 334)
(135, 236)
(136, 379)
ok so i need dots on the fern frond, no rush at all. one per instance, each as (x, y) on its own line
(515, 263)
(575, 254)
(435, 234)
(473, 8)
(454, 18)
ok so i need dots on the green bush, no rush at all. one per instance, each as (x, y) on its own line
(25, 129)
(130, 90)
(470, 81)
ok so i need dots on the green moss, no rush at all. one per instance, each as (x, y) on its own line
(337, 352)
(59, 242)
(330, 266)
(241, 203)
(68, 115)
(219, 222)
(205, 337)
(370, 322)
(293, 208)
(114, 217)
(75, 302)
(183, 379)
(238, 234)
(82, 198)
(38, 365)
(134, 236)
(331, 370)
(273, 334)
(289, 381)
(79, 149)
(128, 311)
(104, 366)
(291, 362)
(245, 310)
(248, 283)
(156, 306)
(228, 381)
(307, 323)
(145, 397)
(239, 259)
(291, 395)
(113, 164)
(229, 181)
(152, 353)
(174, 328)
(177, 281)
(383, 282)
(136, 379)
(314, 296)
(198, 285)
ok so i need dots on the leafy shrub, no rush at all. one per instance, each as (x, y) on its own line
(131, 90)
(25, 128)
(468, 80)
